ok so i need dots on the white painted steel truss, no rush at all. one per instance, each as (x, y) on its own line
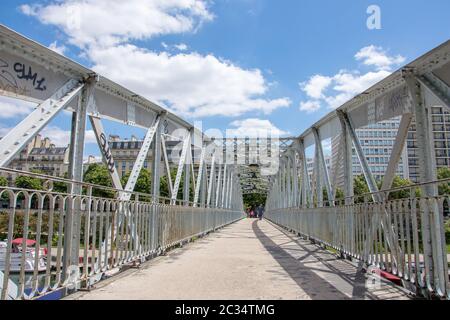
(408, 93)
(32, 72)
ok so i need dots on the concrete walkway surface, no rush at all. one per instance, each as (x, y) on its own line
(250, 259)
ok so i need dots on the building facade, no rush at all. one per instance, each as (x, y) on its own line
(42, 155)
(440, 121)
(377, 141)
(125, 152)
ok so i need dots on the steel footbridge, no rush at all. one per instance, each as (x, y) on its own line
(321, 236)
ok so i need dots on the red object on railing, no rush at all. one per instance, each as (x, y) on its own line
(28, 242)
(388, 276)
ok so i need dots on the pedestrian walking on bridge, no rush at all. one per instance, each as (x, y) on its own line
(260, 211)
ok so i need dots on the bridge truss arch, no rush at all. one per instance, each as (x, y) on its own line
(395, 235)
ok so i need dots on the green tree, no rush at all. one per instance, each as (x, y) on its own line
(254, 199)
(444, 173)
(340, 196)
(398, 183)
(3, 182)
(164, 186)
(98, 174)
(60, 187)
(30, 183)
(360, 187)
(143, 183)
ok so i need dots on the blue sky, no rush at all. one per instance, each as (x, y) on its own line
(240, 64)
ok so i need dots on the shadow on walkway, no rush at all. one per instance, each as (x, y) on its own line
(346, 271)
(313, 285)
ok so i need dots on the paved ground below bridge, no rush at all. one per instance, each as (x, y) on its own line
(250, 259)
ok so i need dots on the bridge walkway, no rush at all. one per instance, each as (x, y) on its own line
(247, 260)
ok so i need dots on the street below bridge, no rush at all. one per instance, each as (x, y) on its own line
(250, 259)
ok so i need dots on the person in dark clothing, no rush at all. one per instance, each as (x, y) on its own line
(260, 211)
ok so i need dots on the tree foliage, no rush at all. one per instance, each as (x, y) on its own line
(444, 173)
(98, 174)
(30, 183)
(164, 186)
(3, 182)
(143, 183)
(254, 199)
(60, 187)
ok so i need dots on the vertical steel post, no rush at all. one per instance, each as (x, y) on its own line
(432, 224)
(187, 170)
(219, 187)
(76, 152)
(288, 182)
(323, 166)
(155, 182)
(224, 186)
(347, 163)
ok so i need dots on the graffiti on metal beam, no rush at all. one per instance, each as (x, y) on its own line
(107, 152)
(7, 80)
(27, 73)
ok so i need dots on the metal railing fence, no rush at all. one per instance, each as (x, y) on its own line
(107, 232)
(407, 235)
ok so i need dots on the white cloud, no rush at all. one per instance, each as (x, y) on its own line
(377, 57)
(61, 137)
(309, 106)
(107, 22)
(95, 159)
(59, 49)
(13, 108)
(326, 146)
(190, 84)
(181, 46)
(174, 47)
(335, 90)
(253, 128)
(315, 86)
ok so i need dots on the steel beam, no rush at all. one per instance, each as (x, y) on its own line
(76, 152)
(437, 87)
(306, 189)
(360, 153)
(181, 165)
(156, 180)
(397, 150)
(156, 160)
(167, 166)
(108, 159)
(347, 161)
(16, 139)
(199, 183)
(188, 169)
(212, 178)
(142, 156)
(295, 173)
(323, 166)
(435, 257)
(224, 186)
(219, 186)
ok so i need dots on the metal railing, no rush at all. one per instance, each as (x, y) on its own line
(107, 233)
(406, 234)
